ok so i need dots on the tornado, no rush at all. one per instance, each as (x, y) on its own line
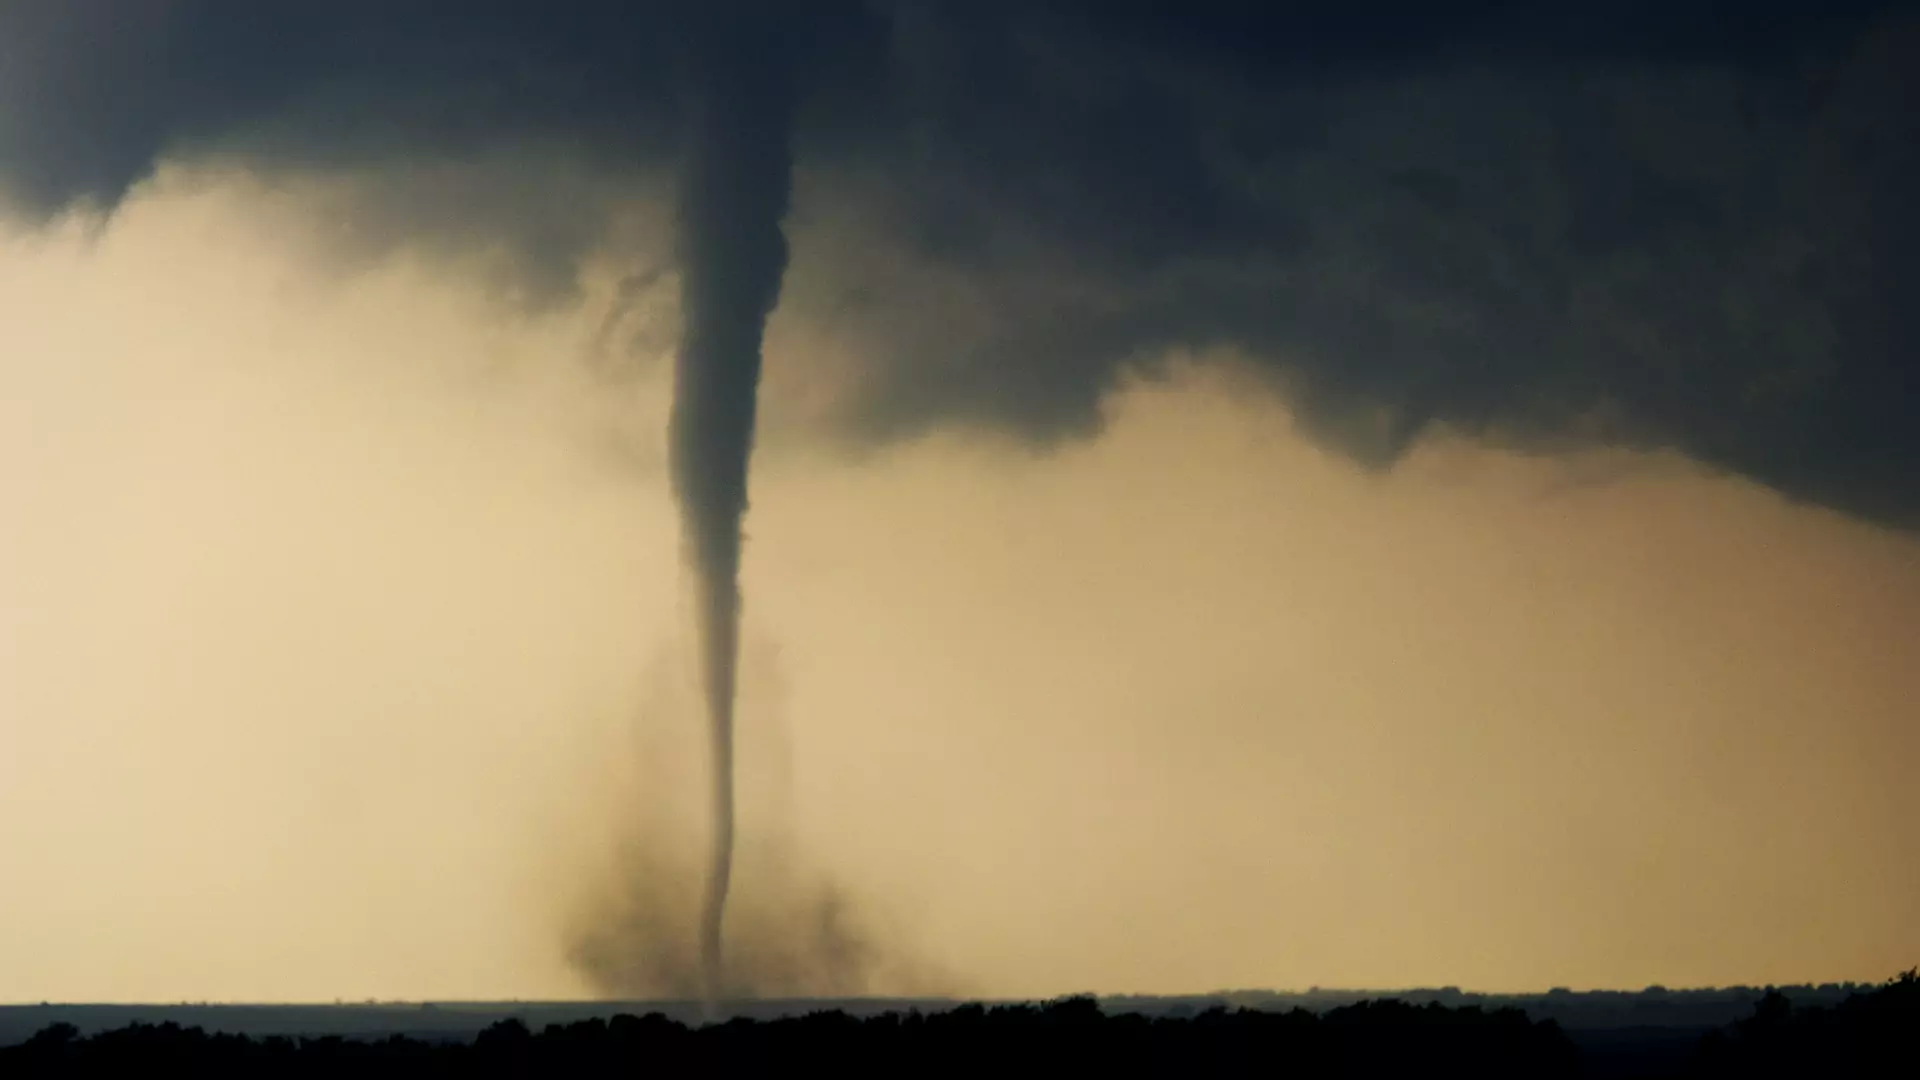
(734, 189)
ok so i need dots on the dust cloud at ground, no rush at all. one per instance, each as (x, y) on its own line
(793, 928)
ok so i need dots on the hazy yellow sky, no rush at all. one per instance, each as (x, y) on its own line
(333, 609)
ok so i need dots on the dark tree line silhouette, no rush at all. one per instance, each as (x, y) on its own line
(1870, 1033)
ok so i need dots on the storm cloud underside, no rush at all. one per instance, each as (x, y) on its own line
(1615, 223)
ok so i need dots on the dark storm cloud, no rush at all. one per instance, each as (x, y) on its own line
(1675, 225)
(1642, 227)
(547, 107)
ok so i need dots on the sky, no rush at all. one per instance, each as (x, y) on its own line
(1340, 498)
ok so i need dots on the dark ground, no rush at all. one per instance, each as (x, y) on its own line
(1829, 1030)
(1600, 1018)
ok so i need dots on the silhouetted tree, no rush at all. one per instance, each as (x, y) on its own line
(1869, 1033)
